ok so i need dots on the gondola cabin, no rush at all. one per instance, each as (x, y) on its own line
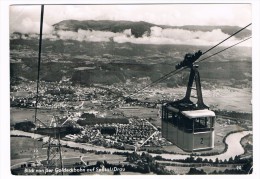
(191, 130)
(188, 124)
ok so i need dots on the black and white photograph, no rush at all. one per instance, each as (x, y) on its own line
(131, 89)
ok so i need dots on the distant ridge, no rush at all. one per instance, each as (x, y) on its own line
(139, 28)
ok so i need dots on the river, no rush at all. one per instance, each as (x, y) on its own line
(234, 148)
(232, 141)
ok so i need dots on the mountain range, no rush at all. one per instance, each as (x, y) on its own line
(138, 29)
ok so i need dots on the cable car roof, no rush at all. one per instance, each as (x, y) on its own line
(198, 113)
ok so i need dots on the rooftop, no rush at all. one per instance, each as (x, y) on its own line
(198, 113)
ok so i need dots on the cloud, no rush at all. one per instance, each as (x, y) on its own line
(26, 19)
(181, 36)
(90, 35)
(161, 14)
(28, 26)
(156, 36)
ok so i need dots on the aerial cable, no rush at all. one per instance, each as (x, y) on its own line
(179, 70)
(166, 76)
(223, 50)
(35, 152)
(39, 63)
(226, 39)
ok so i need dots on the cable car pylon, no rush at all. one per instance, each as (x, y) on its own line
(188, 124)
(54, 154)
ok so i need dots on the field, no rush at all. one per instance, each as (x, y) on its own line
(210, 169)
(231, 99)
(25, 114)
(142, 113)
(23, 148)
(92, 159)
(178, 170)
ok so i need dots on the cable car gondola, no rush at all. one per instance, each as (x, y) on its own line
(188, 124)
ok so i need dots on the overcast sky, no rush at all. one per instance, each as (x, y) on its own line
(27, 16)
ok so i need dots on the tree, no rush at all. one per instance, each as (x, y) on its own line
(230, 160)
(117, 172)
(147, 168)
(158, 157)
(217, 161)
(199, 160)
(24, 126)
(236, 159)
(247, 166)
(99, 163)
(190, 159)
(194, 171)
(214, 172)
